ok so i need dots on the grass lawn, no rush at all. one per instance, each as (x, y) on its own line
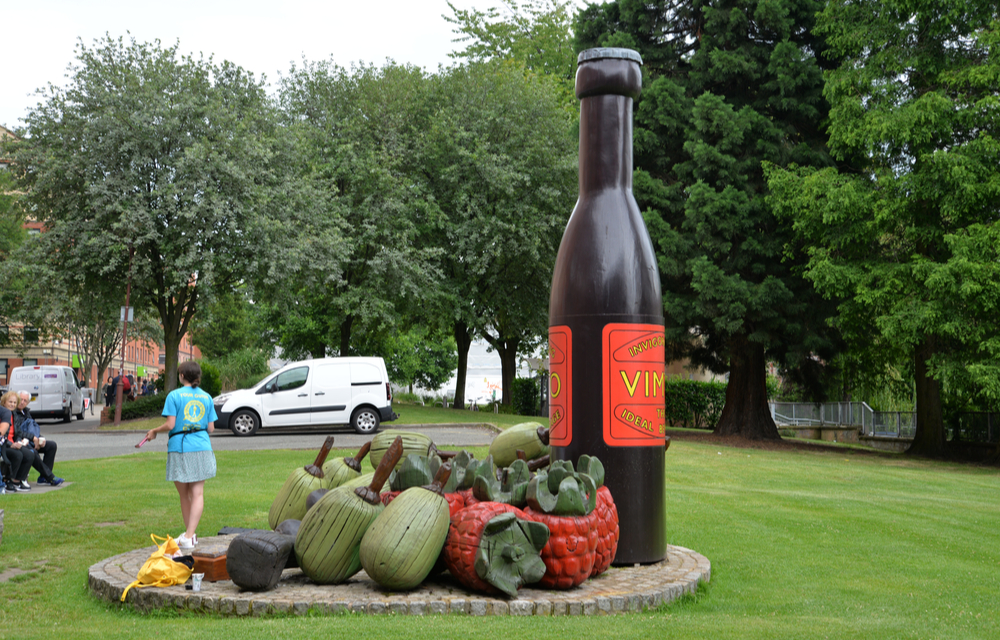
(803, 544)
(416, 414)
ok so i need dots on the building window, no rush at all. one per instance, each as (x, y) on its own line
(3, 368)
(4, 335)
(163, 358)
(29, 362)
(30, 335)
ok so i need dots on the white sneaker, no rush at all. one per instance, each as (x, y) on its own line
(184, 543)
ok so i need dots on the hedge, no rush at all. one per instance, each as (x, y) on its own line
(690, 403)
(142, 407)
(524, 396)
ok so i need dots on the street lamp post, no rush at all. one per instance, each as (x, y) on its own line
(121, 370)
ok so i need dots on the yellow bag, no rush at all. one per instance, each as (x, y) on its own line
(161, 570)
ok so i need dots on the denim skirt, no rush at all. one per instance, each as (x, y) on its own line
(191, 466)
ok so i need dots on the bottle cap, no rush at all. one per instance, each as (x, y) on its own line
(601, 53)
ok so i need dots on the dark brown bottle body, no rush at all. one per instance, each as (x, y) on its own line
(606, 316)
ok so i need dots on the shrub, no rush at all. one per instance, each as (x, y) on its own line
(142, 407)
(694, 404)
(241, 369)
(505, 409)
(524, 396)
(210, 379)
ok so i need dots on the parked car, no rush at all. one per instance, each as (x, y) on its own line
(324, 391)
(55, 391)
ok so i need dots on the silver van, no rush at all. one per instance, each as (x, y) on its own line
(55, 391)
(324, 391)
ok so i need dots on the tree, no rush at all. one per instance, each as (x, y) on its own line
(420, 357)
(905, 231)
(353, 133)
(499, 158)
(536, 35)
(92, 322)
(730, 84)
(161, 154)
(230, 323)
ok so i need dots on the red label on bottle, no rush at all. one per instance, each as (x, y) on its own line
(560, 386)
(634, 372)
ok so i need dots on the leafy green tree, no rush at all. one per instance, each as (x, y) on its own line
(499, 158)
(229, 323)
(729, 85)
(536, 34)
(353, 135)
(905, 232)
(420, 357)
(163, 154)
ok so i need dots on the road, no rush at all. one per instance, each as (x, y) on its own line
(80, 440)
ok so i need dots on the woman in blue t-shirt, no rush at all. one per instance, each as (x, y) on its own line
(190, 418)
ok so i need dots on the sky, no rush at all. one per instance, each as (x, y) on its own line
(40, 36)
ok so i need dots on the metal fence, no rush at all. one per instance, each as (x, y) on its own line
(898, 424)
(979, 426)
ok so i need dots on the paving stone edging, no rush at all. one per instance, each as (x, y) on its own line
(619, 590)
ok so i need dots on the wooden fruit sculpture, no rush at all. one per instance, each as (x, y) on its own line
(413, 442)
(290, 503)
(564, 501)
(420, 471)
(530, 437)
(493, 547)
(403, 544)
(511, 488)
(340, 470)
(327, 545)
(607, 515)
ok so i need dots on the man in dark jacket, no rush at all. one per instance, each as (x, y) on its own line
(26, 427)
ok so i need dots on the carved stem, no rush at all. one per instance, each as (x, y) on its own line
(355, 462)
(315, 469)
(543, 434)
(385, 466)
(440, 479)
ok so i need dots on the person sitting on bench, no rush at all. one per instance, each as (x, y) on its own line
(20, 453)
(45, 449)
(15, 454)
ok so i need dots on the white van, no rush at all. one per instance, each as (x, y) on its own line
(325, 391)
(55, 391)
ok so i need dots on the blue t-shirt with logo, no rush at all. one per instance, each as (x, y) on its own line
(192, 409)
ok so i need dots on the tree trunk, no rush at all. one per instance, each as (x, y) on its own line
(463, 340)
(171, 344)
(746, 413)
(929, 437)
(345, 335)
(507, 350)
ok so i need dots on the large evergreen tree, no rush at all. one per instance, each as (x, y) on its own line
(727, 85)
(909, 240)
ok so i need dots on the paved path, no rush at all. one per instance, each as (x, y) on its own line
(619, 590)
(80, 440)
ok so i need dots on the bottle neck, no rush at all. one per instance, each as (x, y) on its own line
(605, 143)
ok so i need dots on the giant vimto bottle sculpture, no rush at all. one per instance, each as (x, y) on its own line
(606, 352)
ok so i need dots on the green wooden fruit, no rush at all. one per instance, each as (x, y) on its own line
(413, 442)
(401, 547)
(530, 437)
(327, 544)
(340, 470)
(290, 503)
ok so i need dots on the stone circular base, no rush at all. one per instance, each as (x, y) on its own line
(619, 589)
